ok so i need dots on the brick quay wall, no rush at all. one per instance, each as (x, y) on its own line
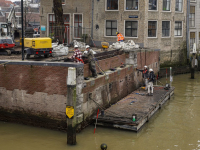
(35, 93)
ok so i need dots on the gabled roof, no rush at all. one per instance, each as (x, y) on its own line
(4, 3)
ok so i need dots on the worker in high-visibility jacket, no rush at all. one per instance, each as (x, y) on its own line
(120, 37)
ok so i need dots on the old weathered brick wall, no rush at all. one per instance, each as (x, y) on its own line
(110, 88)
(106, 64)
(35, 90)
(149, 58)
(107, 89)
(40, 90)
(47, 79)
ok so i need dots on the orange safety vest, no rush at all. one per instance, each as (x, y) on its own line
(120, 37)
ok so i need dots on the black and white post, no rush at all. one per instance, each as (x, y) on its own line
(71, 106)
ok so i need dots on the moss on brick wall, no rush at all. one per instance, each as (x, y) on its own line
(174, 57)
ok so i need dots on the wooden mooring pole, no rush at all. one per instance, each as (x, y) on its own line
(193, 61)
(71, 106)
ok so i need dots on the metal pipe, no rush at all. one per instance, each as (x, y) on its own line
(188, 32)
(22, 29)
(171, 78)
(92, 18)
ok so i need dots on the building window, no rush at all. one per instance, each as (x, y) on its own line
(166, 5)
(152, 27)
(192, 16)
(192, 39)
(78, 25)
(52, 25)
(199, 37)
(179, 5)
(131, 4)
(178, 28)
(152, 4)
(112, 4)
(165, 28)
(111, 27)
(131, 28)
(63, 2)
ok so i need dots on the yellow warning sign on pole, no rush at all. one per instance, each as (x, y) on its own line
(69, 111)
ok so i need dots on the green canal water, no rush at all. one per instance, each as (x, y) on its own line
(175, 127)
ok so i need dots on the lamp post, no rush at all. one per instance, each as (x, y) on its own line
(22, 29)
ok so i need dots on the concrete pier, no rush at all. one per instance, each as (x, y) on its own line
(133, 111)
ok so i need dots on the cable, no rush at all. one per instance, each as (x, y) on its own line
(108, 111)
(106, 79)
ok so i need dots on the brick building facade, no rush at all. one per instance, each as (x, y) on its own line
(150, 23)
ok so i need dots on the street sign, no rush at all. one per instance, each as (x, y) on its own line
(69, 111)
(131, 16)
(43, 28)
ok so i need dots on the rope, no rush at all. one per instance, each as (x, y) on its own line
(108, 111)
(96, 60)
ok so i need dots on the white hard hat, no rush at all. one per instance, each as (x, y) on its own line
(150, 70)
(145, 66)
(75, 46)
(87, 46)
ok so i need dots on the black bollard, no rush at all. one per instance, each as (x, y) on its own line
(104, 146)
(192, 73)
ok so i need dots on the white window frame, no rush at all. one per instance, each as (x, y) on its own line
(47, 29)
(125, 28)
(110, 10)
(182, 29)
(170, 6)
(156, 5)
(182, 7)
(199, 36)
(131, 10)
(156, 29)
(194, 18)
(73, 23)
(169, 30)
(191, 1)
(105, 28)
(195, 39)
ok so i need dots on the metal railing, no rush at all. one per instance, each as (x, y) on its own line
(66, 34)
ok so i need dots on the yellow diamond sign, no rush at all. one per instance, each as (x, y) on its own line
(69, 111)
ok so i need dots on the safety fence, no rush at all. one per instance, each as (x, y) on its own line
(66, 34)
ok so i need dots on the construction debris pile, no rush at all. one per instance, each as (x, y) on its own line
(125, 46)
(62, 50)
(59, 50)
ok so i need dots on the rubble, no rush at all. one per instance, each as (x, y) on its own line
(80, 44)
(59, 50)
(125, 46)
